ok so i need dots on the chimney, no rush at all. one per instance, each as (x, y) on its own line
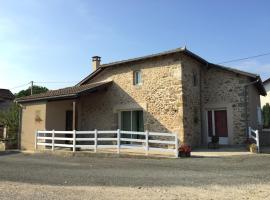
(96, 62)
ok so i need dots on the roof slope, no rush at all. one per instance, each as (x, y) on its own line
(184, 50)
(266, 81)
(6, 94)
(69, 92)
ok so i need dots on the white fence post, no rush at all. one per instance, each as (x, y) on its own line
(257, 140)
(5, 132)
(52, 140)
(249, 131)
(176, 146)
(95, 142)
(118, 140)
(74, 140)
(146, 142)
(36, 136)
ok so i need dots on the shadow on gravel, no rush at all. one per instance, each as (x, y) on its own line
(8, 153)
(132, 172)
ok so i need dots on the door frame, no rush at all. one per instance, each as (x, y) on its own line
(222, 140)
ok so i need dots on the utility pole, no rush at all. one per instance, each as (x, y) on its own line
(32, 83)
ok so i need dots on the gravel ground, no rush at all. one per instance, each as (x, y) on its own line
(42, 176)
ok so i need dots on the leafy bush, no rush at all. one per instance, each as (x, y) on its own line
(266, 116)
(10, 119)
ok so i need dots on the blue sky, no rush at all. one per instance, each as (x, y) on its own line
(54, 40)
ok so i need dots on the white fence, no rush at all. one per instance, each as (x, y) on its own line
(116, 139)
(254, 134)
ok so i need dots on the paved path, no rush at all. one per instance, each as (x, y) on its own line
(40, 176)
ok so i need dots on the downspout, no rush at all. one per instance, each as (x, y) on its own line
(246, 102)
(201, 109)
(201, 105)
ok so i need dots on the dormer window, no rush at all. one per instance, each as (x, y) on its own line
(137, 78)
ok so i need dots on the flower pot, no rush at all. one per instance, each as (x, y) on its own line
(253, 148)
(182, 154)
(188, 154)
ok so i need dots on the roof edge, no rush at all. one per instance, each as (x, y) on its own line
(177, 50)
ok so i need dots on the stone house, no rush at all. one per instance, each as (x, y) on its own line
(266, 99)
(173, 91)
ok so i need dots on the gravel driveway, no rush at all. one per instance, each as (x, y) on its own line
(41, 176)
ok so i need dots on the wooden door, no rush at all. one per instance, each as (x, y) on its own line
(221, 126)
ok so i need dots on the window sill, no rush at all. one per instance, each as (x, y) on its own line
(137, 86)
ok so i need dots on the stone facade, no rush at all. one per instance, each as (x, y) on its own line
(224, 89)
(159, 96)
(170, 99)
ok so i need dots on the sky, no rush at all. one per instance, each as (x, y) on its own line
(51, 42)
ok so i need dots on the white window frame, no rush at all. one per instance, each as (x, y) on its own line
(135, 75)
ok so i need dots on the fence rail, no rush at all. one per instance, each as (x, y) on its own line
(114, 139)
(254, 134)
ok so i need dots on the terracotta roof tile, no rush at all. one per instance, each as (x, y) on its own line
(6, 94)
(64, 92)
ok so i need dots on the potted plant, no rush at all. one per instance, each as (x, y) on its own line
(248, 142)
(253, 148)
(184, 150)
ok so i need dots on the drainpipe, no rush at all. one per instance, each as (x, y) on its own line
(201, 109)
(246, 102)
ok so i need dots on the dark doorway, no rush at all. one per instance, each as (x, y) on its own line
(221, 123)
(69, 120)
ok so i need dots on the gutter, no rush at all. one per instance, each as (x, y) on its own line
(47, 98)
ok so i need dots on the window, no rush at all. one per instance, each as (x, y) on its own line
(132, 121)
(195, 79)
(137, 78)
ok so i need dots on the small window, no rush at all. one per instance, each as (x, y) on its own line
(195, 79)
(137, 78)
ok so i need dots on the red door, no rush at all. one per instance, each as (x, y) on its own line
(221, 128)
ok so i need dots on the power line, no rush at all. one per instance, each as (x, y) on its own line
(20, 86)
(43, 82)
(56, 82)
(239, 59)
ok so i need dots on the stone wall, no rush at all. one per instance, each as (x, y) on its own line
(159, 96)
(224, 89)
(191, 100)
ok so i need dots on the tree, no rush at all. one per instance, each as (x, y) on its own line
(36, 90)
(10, 119)
(266, 115)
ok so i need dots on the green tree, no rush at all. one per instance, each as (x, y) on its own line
(10, 119)
(36, 90)
(266, 115)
